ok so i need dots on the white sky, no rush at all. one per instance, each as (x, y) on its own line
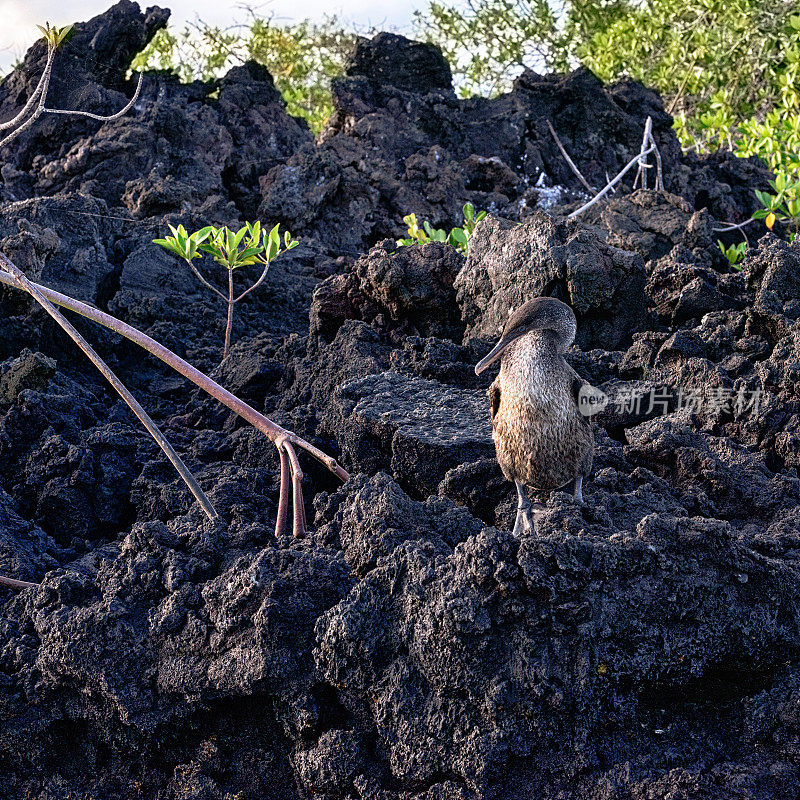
(18, 18)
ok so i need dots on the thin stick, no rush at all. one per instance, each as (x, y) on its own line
(640, 173)
(298, 506)
(45, 85)
(569, 161)
(659, 172)
(609, 185)
(229, 321)
(108, 374)
(283, 500)
(205, 282)
(13, 583)
(100, 117)
(41, 108)
(733, 226)
(33, 99)
(255, 285)
(256, 419)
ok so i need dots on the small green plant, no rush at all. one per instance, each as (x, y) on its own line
(55, 37)
(231, 249)
(734, 253)
(457, 238)
(783, 206)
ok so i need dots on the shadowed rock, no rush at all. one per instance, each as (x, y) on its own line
(419, 428)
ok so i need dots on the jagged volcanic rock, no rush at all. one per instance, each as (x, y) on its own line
(641, 646)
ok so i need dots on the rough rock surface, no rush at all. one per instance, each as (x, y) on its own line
(643, 645)
(510, 263)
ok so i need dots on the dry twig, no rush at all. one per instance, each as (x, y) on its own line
(643, 165)
(569, 161)
(610, 185)
(39, 100)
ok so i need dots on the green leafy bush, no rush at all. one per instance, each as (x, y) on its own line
(232, 250)
(302, 58)
(717, 62)
(457, 238)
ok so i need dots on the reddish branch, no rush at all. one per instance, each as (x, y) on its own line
(285, 441)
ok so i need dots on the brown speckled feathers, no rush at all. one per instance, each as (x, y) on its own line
(540, 436)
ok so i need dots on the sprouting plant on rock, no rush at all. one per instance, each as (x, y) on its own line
(231, 249)
(36, 106)
(457, 238)
(734, 253)
(783, 206)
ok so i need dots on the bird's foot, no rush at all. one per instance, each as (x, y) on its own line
(579, 489)
(525, 513)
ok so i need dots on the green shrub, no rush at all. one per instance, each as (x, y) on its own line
(783, 206)
(302, 58)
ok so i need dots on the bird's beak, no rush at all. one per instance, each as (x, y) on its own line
(494, 354)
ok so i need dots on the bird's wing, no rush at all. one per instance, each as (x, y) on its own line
(494, 399)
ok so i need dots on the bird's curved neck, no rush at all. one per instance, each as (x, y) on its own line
(531, 364)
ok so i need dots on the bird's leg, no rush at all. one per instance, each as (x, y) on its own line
(579, 488)
(524, 519)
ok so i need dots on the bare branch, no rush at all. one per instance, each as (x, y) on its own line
(13, 583)
(280, 436)
(119, 387)
(39, 97)
(205, 282)
(283, 498)
(610, 185)
(659, 171)
(34, 98)
(733, 226)
(45, 85)
(640, 173)
(100, 117)
(569, 161)
(298, 506)
(255, 285)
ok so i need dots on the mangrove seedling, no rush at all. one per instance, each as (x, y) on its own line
(783, 206)
(457, 238)
(232, 249)
(734, 253)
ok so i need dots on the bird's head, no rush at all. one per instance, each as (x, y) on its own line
(539, 314)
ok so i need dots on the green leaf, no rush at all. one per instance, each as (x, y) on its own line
(255, 230)
(249, 252)
(237, 239)
(459, 236)
(275, 236)
(212, 249)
